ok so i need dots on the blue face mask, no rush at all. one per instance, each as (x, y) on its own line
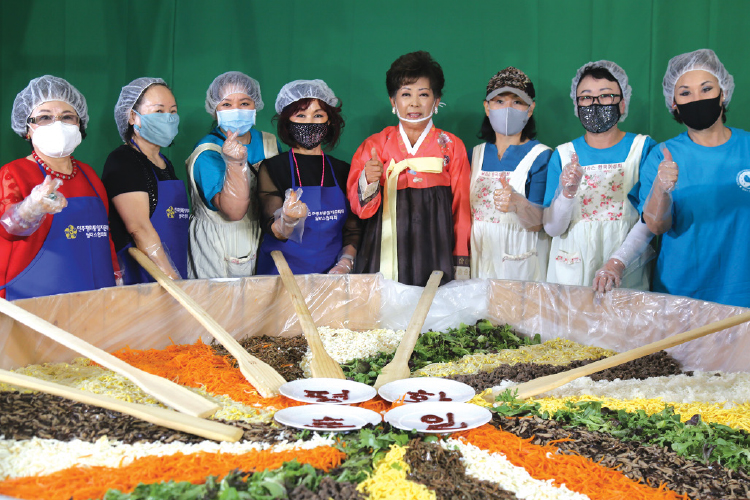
(236, 120)
(158, 128)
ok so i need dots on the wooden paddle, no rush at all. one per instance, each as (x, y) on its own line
(159, 416)
(166, 391)
(262, 376)
(322, 365)
(398, 368)
(549, 382)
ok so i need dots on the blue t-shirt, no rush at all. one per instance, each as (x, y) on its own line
(537, 177)
(209, 167)
(704, 253)
(592, 156)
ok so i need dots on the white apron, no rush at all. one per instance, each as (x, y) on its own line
(500, 246)
(221, 248)
(602, 217)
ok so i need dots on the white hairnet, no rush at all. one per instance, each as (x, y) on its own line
(702, 59)
(305, 89)
(44, 89)
(232, 82)
(128, 97)
(616, 71)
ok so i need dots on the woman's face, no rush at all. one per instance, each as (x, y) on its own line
(595, 87)
(508, 100)
(236, 101)
(156, 99)
(696, 85)
(55, 110)
(313, 114)
(416, 100)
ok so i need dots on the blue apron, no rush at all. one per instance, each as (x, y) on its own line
(75, 256)
(171, 220)
(323, 236)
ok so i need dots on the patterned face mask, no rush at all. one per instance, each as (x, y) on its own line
(599, 118)
(308, 135)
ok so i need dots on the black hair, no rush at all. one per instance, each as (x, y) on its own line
(131, 131)
(411, 67)
(598, 73)
(335, 122)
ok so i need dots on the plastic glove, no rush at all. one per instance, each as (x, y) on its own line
(160, 257)
(22, 219)
(508, 200)
(570, 178)
(289, 220)
(119, 278)
(634, 253)
(658, 206)
(344, 265)
(233, 152)
(609, 276)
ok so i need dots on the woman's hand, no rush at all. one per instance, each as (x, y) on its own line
(289, 219)
(502, 197)
(373, 168)
(293, 208)
(22, 219)
(570, 178)
(233, 151)
(666, 177)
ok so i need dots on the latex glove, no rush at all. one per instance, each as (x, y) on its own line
(609, 276)
(666, 177)
(233, 152)
(570, 178)
(373, 168)
(343, 266)
(22, 219)
(289, 219)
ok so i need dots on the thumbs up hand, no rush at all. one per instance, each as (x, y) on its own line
(666, 177)
(373, 167)
(571, 177)
(502, 196)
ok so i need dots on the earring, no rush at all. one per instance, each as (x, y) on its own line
(436, 111)
(393, 110)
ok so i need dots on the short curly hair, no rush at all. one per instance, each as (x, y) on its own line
(411, 67)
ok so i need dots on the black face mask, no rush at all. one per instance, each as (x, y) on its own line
(699, 115)
(308, 135)
(599, 118)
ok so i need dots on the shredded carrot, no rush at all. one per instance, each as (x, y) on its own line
(196, 365)
(80, 483)
(576, 472)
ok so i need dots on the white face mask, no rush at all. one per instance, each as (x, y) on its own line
(408, 120)
(57, 140)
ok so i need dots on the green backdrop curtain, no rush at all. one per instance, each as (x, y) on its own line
(100, 45)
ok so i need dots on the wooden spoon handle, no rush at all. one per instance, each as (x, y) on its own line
(159, 416)
(409, 340)
(549, 382)
(305, 319)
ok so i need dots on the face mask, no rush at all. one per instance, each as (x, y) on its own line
(236, 120)
(599, 118)
(408, 120)
(308, 135)
(699, 115)
(57, 140)
(158, 128)
(508, 121)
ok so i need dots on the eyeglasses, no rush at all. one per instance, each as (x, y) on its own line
(605, 99)
(44, 120)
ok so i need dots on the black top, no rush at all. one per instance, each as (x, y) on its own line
(274, 178)
(127, 170)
